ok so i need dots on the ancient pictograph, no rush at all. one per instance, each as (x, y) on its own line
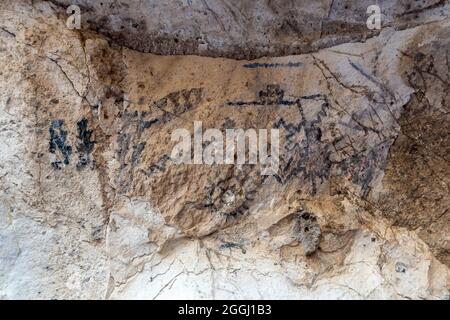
(302, 138)
(58, 142)
(61, 149)
(85, 145)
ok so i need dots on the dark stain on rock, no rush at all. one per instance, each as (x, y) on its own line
(307, 232)
(145, 124)
(362, 167)
(271, 95)
(308, 156)
(58, 137)
(137, 152)
(273, 65)
(232, 245)
(85, 145)
(123, 140)
(179, 102)
(232, 195)
(400, 267)
(159, 166)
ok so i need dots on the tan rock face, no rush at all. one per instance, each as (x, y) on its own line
(94, 206)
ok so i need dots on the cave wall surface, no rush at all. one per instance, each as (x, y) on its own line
(247, 29)
(92, 206)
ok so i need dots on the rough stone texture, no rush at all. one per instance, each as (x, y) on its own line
(246, 29)
(92, 206)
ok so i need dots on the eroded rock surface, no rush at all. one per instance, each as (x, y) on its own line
(246, 29)
(93, 206)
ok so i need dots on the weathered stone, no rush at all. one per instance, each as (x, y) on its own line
(246, 29)
(93, 206)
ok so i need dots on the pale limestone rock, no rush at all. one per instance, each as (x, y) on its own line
(92, 206)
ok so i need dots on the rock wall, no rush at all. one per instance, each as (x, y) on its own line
(244, 29)
(92, 205)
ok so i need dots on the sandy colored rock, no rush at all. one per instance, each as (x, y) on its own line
(93, 206)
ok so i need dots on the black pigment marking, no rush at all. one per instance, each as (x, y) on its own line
(137, 152)
(243, 186)
(305, 154)
(159, 166)
(144, 124)
(301, 154)
(272, 95)
(400, 267)
(123, 140)
(117, 95)
(173, 105)
(86, 145)
(228, 123)
(273, 65)
(177, 103)
(367, 75)
(309, 157)
(361, 167)
(58, 138)
(135, 123)
(232, 245)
